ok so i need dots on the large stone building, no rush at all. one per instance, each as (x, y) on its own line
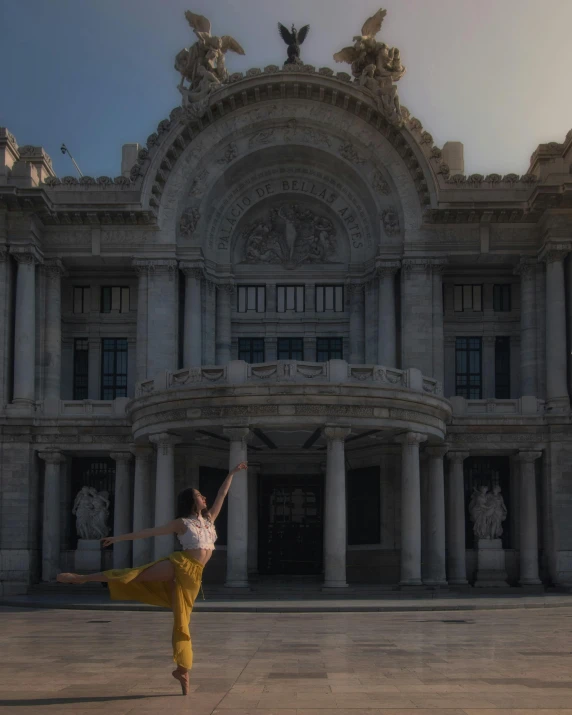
(292, 275)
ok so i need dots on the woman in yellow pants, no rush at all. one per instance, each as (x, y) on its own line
(174, 581)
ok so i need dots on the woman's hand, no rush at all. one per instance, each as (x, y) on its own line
(240, 467)
(109, 540)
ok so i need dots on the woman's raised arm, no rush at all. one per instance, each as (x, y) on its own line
(214, 511)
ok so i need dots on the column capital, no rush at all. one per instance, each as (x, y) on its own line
(437, 451)
(438, 265)
(142, 452)
(164, 440)
(457, 457)
(237, 434)
(4, 253)
(355, 288)
(489, 339)
(335, 433)
(192, 269)
(52, 457)
(554, 252)
(527, 457)
(411, 438)
(26, 254)
(121, 456)
(386, 268)
(417, 265)
(526, 267)
(54, 268)
(155, 265)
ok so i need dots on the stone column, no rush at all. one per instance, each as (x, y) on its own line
(193, 338)
(456, 557)
(25, 328)
(223, 323)
(371, 323)
(335, 524)
(436, 573)
(51, 520)
(417, 315)
(4, 313)
(528, 519)
(438, 335)
(53, 340)
(357, 325)
(556, 352)
(386, 336)
(237, 540)
(209, 333)
(163, 310)
(527, 271)
(253, 476)
(410, 509)
(488, 367)
(164, 490)
(142, 269)
(142, 504)
(122, 509)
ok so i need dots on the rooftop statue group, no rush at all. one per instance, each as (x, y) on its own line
(374, 65)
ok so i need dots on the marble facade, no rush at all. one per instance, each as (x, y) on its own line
(291, 177)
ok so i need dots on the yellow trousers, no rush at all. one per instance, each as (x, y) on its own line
(188, 576)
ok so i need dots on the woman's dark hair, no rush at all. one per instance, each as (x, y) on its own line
(186, 506)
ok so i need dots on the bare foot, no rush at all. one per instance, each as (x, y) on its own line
(70, 578)
(183, 677)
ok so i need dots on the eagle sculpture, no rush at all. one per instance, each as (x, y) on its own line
(293, 39)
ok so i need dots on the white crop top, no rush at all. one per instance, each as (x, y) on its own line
(200, 534)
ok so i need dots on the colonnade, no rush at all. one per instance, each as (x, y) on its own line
(445, 550)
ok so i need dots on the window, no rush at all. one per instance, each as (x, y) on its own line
(81, 299)
(113, 368)
(502, 368)
(251, 298)
(468, 298)
(329, 298)
(329, 349)
(290, 298)
(80, 368)
(251, 349)
(468, 368)
(290, 348)
(501, 298)
(114, 298)
(363, 506)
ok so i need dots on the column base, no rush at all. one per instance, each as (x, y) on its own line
(242, 585)
(530, 582)
(328, 585)
(557, 405)
(436, 584)
(21, 408)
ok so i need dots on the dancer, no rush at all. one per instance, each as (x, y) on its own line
(173, 581)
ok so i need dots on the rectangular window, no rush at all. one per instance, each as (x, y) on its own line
(114, 298)
(329, 298)
(80, 368)
(468, 368)
(501, 298)
(113, 368)
(290, 348)
(363, 506)
(251, 298)
(290, 298)
(502, 368)
(81, 299)
(251, 349)
(329, 349)
(468, 298)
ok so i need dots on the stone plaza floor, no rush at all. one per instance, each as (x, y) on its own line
(116, 662)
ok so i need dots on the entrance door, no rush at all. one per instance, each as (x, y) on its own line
(291, 524)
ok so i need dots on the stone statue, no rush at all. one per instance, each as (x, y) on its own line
(293, 39)
(203, 64)
(91, 510)
(376, 67)
(487, 511)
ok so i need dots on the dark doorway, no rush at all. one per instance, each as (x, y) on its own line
(291, 525)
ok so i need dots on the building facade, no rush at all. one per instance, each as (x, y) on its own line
(292, 279)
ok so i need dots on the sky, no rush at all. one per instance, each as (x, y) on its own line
(95, 74)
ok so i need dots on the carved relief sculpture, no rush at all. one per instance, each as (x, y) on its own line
(189, 221)
(290, 235)
(203, 64)
(376, 67)
(293, 39)
(390, 220)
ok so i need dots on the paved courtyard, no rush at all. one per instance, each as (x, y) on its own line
(291, 664)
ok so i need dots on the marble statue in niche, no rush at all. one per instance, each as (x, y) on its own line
(91, 510)
(290, 235)
(488, 511)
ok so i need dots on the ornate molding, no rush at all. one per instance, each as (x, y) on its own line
(26, 255)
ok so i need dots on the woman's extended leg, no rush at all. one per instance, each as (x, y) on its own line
(161, 571)
(181, 674)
